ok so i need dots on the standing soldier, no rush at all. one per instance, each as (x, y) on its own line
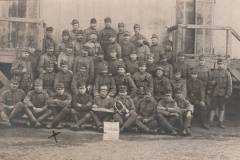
(59, 105)
(11, 104)
(186, 110)
(222, 83)
(125, 110)
(132, 63)
(48, 79)
(99, 63)
(92, 29)
(22, 71)
(155, 48)
(48, 39)
(137, 35)
(178, 83)
(73, 32)
(105, 34)
(65, 40)
(168, 50)
(113, 45)
(123, 78)
(64, 76)
(120, 34)
(49, 58)
(81, 106)
(67, 56)
(181, 66)
(151, 66)
(161, 84)
(105, 79)
(143, 78)
(168, 68)
(102, 101)
(127, 46)
(78, 44)
(142, 50)
(36, 103)
(196, 95)
(113, 62)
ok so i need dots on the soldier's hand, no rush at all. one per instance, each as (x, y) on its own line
(10, 107)
(37, 110)
(226, 97)
(89, 87)
(161, 108)
(79, 105)
(94, 106)
(189, 114)
(174, 114)
(146, 120)
(202, 104)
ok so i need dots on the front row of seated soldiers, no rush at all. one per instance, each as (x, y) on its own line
(142, 112)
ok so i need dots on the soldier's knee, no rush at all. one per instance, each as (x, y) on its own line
(88, 115)
(134, 114)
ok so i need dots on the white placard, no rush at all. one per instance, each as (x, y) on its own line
(111, 131)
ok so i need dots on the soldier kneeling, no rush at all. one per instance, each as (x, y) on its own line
(81, 107)
(186, 110)
(59, 105)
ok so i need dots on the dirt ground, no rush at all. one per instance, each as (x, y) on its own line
(33, 144)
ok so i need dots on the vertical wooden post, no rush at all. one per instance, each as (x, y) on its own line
(228, 42)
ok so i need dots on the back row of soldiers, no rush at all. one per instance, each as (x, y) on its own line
(139, 85)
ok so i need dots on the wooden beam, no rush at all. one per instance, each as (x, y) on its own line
(235, 34)
(23, 20)
(228, 42)
(209, 27)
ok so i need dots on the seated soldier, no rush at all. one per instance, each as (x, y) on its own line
(105, 79)
(168, 68)
(104, 102)
(161, 84)
(125, 78)
(169, 109)
(187, 112)
(36, 103)
(67, 56)
(81, 106)
(146, 108)
(11, 106)
(143, 78)
(48, 79)
(151, 66)
(124, 107)
(113, 62)
(59, 105)
(178, 83)
(142, 50)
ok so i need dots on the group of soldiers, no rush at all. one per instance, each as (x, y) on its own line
(95, 76)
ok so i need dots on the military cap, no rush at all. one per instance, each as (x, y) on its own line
(59, 85)
(49, 29)
(126, 33)
(159, 68)
(122, 88)
(219, 60)
(103, 87)
(155, 36)
(81, 85)
(120, 24)
(141, 63)
(107, 19)
(79, 32)
(75, 21)
(38, 82)
(121, 66)
(14, 81)
(65, 32)
(136, 26)
(93, 20)
(201, 58)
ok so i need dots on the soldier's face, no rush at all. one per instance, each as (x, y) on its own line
(93, 25)
(103, 93)
(133, 57)
(93, 38)
(220, 65)
(79, 37)
(177, 75)
(38, 88)
(121, 71)
(137, 30)
(178, 95)
(159, 73)
(84, 53)
(64, 68)
(142, 68)
(13, 86)
(82, 90)
(194, 76)
(120, 29)
(168, 98)
(69, 50)
(168, 47)
(154, 41)
(65, 37)
(112, 39)
(75, 26)
(150, 60)
(60, 91)
(126, 38)
(50, 50)
(25, 55)
(50, 69)
(123, 93)
(113, 54)
(202, 62)
(108, 24)
(49, 33)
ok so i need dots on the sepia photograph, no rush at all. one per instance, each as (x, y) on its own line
(119, 80)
